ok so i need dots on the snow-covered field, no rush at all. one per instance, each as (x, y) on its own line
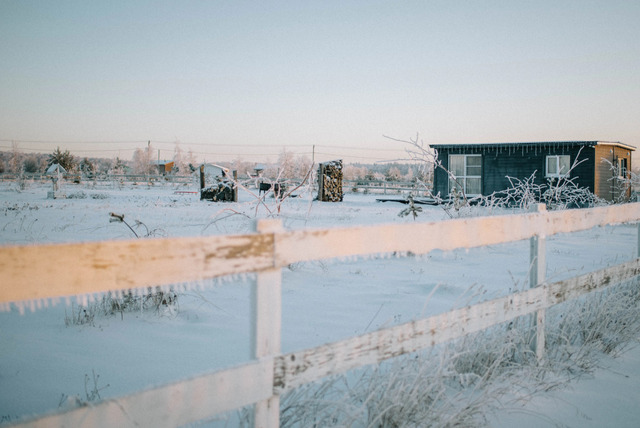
(44, 363)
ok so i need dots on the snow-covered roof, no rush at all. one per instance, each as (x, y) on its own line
(213, 169)
(56, 168)
(532, 144)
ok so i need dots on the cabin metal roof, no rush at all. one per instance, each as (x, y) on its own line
(536, 144)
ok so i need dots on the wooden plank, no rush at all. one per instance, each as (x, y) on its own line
(266, 302)
(266, 328)
(537, 275)
(571, 288)
(301, 367)
(45, 271)
(173, 405)
(421, 238)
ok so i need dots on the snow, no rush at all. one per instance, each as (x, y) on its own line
(42, 361)
(607, 398)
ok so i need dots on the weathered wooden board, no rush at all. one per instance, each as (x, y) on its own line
(172, 405)
(298, 368)
(266, 326)
(45, 271)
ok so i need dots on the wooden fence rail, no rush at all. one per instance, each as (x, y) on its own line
(102, 177)
(122, 265)
(385, 186)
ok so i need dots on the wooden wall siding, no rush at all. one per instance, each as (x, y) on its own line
(603, 173)
(624, 153)
(498, 163)
(606, 186)
(103, 266)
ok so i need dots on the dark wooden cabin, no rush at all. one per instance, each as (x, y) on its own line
(483, 168)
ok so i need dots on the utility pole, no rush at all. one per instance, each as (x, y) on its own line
(148, 159)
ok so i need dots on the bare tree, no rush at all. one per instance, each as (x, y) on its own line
(142, 161)
(16, 159)
(427, 160)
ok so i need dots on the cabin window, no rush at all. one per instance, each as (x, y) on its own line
(558, 166)
(467, 170)
(622, 167)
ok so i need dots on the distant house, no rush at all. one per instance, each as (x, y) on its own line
(164, 166)
(258, 170)
(481, 169)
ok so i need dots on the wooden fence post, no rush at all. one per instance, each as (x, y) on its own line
(537, 275)
(266, 319)
(638, 252)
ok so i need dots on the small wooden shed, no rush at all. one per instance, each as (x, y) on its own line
(481, 169)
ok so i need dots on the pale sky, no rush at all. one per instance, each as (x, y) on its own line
(239, 78)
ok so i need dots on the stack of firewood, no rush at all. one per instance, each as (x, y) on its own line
(330, 181)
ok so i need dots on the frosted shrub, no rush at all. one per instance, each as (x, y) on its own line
(80, 315)
(153, 300)
(453, 385)
(411, 209)
(77, 195)
(607, 322)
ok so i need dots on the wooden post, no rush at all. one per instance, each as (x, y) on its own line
(266, 313)
(537, 276)
(235, 185)
(638, 251)
(320, 182)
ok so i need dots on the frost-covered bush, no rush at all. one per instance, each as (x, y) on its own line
(80, 315)
(77, 195)
(83, 195)
(153, 300)
(556, 194)
(605, 322)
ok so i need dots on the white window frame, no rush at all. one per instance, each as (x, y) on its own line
(622, 167)
(462, 179)
(557, 159)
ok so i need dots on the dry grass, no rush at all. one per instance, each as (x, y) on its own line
(461, 383)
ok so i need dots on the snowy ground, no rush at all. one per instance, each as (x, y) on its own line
(42, 361)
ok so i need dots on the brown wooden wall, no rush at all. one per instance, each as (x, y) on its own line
(606, 185)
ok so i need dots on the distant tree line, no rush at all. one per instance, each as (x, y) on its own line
(16, 162)
(287, 166)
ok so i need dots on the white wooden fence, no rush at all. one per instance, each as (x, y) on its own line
(71, 269)
(384, 187)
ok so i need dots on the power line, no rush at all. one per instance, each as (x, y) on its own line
(187, 143)
(6, 140)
